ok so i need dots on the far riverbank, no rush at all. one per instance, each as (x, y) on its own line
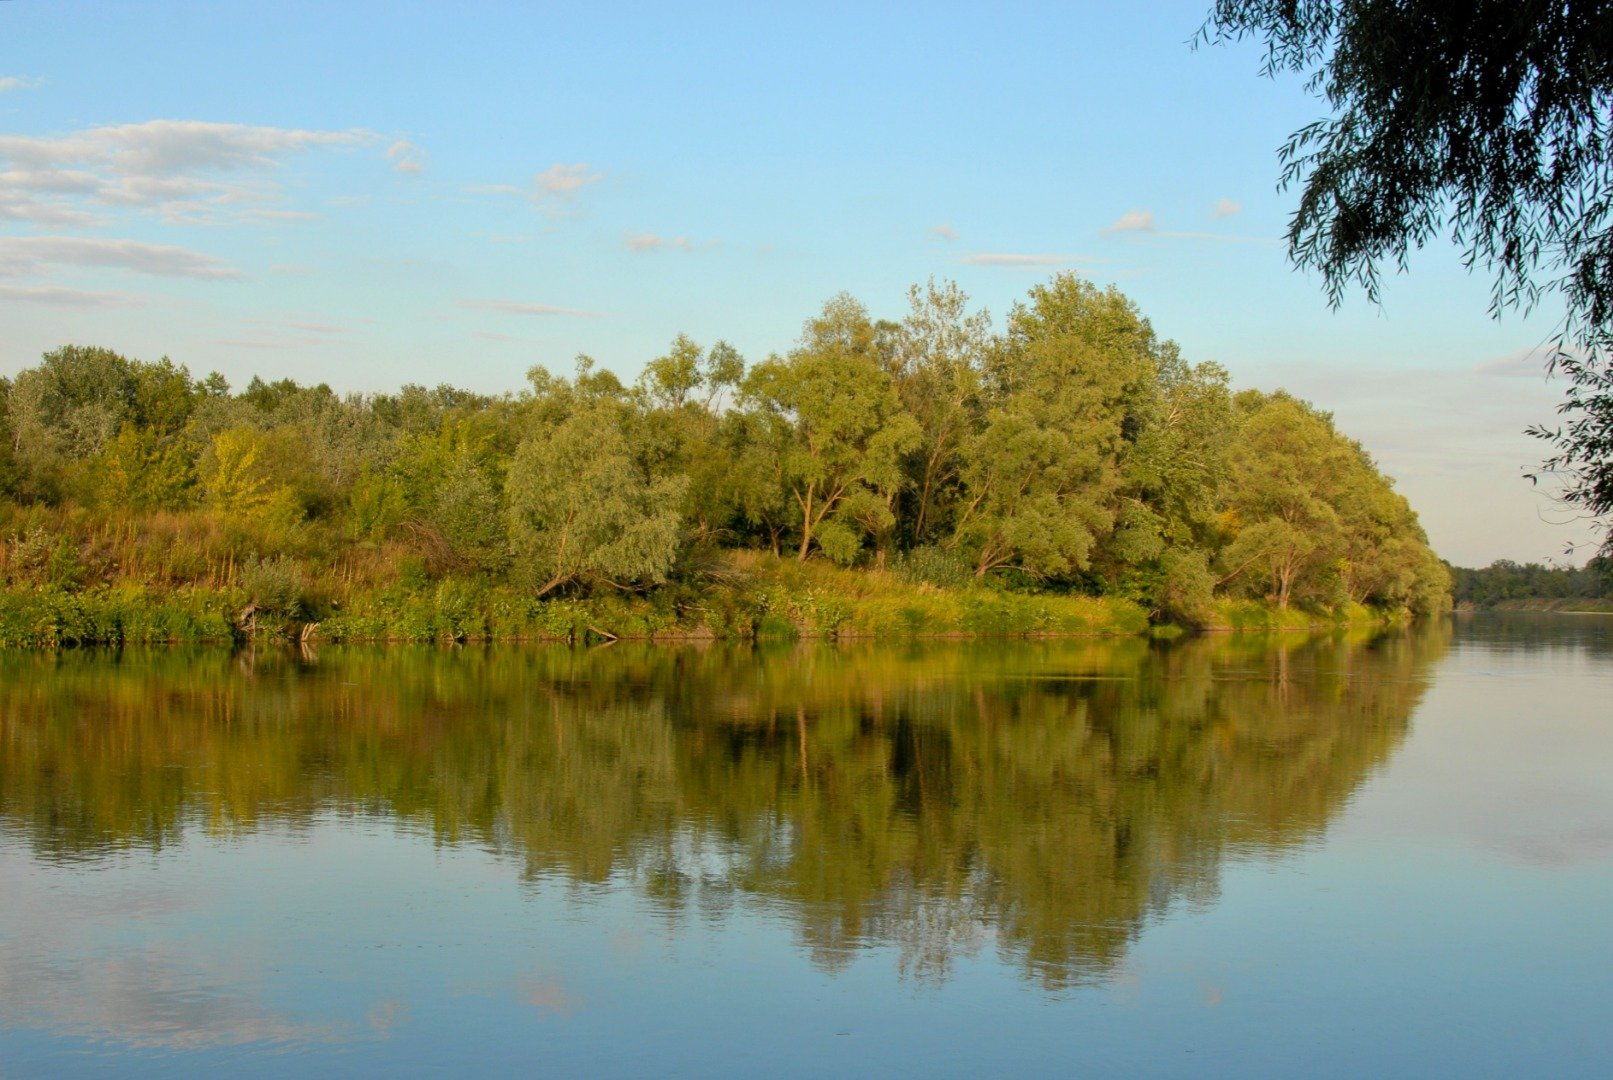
(757, 598)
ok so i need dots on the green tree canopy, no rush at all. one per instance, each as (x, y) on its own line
(581, 508)
(846, 433)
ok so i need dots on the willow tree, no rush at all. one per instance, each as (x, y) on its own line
(583, 511)
(1064, 391)
(1287, 463)
(939, 358)
(846, 430)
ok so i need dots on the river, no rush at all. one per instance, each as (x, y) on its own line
(1218, 856)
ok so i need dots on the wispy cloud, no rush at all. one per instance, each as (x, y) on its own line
(566, 180)
(1528, 363)
(943, 232)
(1142, 223)
(1017, 259)
(16, 82)
(519, 307)
(653, 242)
(278, 217)
(187, 171)
(1133, 221)
(63, 297)
(24, 255)
(406, 157)
(550, 189)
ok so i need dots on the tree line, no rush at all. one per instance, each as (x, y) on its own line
(1508, 580)
(1072, 451)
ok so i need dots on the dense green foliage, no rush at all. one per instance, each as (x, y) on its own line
(1075, 455)
(1505, 580)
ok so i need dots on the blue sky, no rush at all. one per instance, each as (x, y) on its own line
(374, 194)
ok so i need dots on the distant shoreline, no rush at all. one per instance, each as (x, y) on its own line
(775, 600)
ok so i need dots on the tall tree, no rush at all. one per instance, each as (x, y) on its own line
(1286, 467)
(581, 508)
(847, 430)
(1066, 390)
(939, 359)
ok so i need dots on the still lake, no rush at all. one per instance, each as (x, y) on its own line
(1225, 855)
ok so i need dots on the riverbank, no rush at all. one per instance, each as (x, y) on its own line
(754, 597)
(1569, 606)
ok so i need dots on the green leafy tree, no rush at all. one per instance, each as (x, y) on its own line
(1168, 505)
(939, 359)
(140, 470)
(248, 476)
(1285, 470)
(1067, 391)
(847, 430)
(64, 410)
(581, 509)
(677, 427)
(443, 492)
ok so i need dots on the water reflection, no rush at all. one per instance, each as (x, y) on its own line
(1588, 634)
(1043, 800)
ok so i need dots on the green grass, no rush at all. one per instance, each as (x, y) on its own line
(755, 596)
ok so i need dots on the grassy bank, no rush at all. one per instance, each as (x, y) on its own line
(748, 597)
(1569, 606)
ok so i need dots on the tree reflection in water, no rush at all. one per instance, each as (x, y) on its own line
(1043, 799)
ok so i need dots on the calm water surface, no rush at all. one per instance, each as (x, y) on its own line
(1225, 856)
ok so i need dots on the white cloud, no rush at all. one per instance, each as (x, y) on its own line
(1225, 208)
(652, 242)
(943, 232)
(493, 189)
(61, 296)
(406, 157)
(23, 255)
(551, 188)
(518, 307)
(565, 180)
(1133, 221)
(16, 82)
(1015, 259)
(173, 147)
(188, 171)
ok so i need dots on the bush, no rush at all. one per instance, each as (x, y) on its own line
(275, 585)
